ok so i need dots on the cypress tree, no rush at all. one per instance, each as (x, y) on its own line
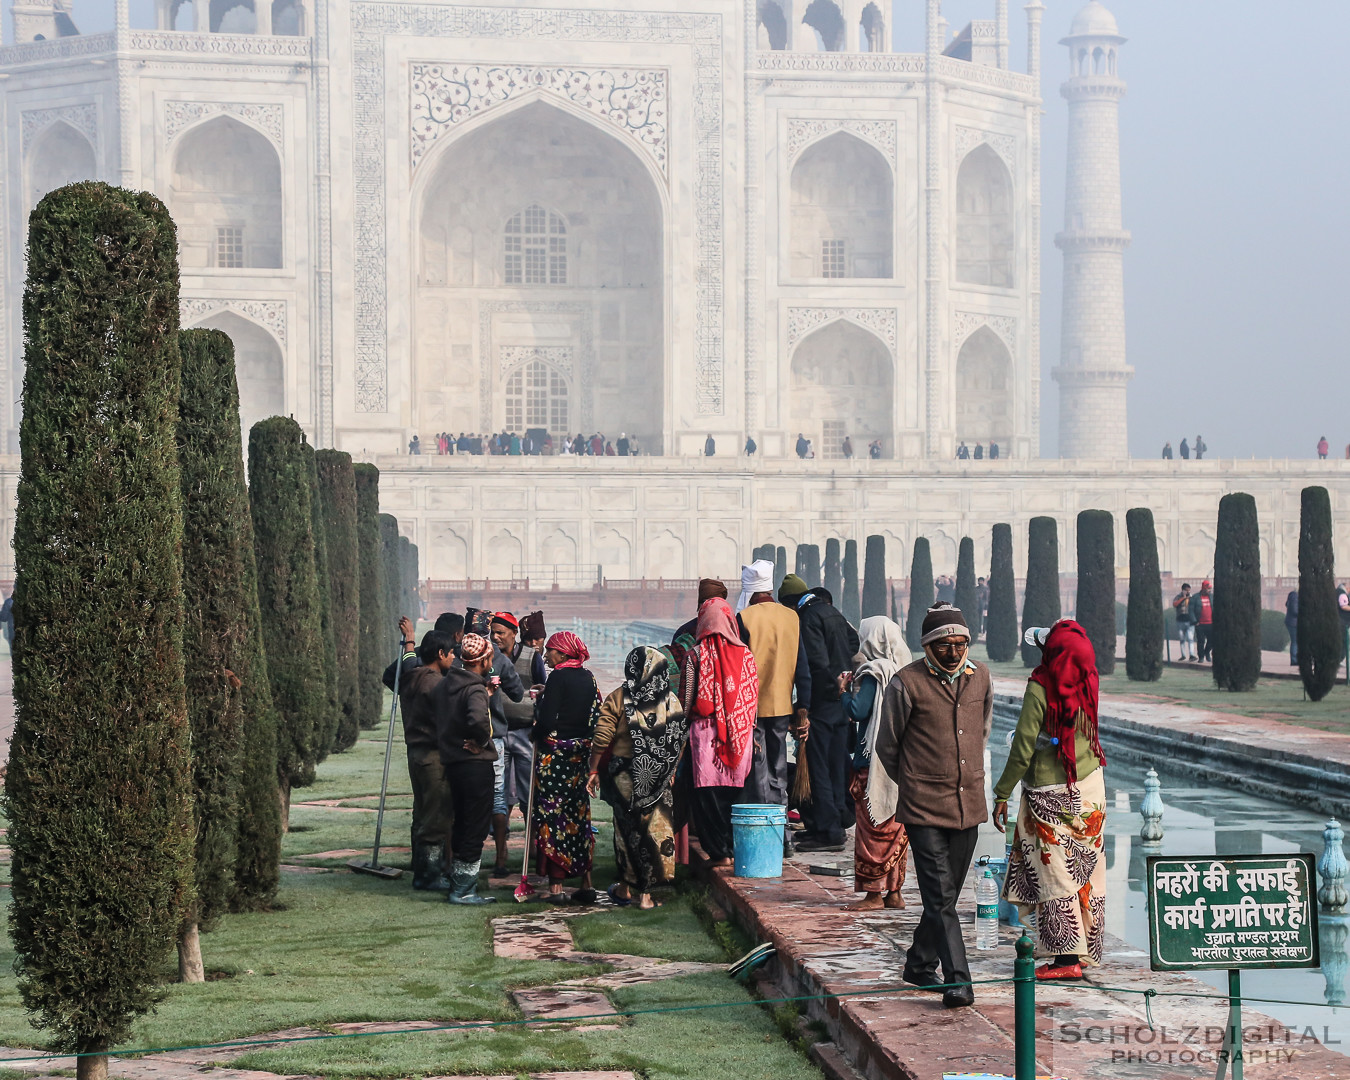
(288, 597)
(215, 620)
(257, 867)
(1096, 605)
(393, 572)
(764, 551)
(834, 570)
(332, 714)
(98, 790)
(1000, 635)
(849, 604)
(1040, 605)
(779, 567)
(1319, 622)
(407, 564)
(874, 577)
(922, 593)
(1237, 594)
(337, 502)
(967, 594)
(813, 566)
(372, 633)
(1144, 621)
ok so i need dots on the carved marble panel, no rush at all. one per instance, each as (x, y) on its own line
(965, 323)
(179, 115)
(83, 118)
(443, 95)
(1005, 146)
(269, 314)
(802, 131)
(881, 321)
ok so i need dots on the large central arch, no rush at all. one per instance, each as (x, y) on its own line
(539, 240)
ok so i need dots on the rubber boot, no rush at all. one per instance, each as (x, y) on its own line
(427, 872)
(464, 884)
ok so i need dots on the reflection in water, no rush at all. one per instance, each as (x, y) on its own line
(1210, 820)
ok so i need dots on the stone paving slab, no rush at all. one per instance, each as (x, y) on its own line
(887, 1035)
(558, 1003)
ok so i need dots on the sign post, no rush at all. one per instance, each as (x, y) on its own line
(1232, 913)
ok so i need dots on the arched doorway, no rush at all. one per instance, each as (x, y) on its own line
(59, 156)
(841, 211)
(984, 391)
(539, 239)
(226, 197)
(842, 385)
(984, 220)
(258, 367)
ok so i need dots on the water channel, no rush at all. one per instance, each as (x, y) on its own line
(1203, 819)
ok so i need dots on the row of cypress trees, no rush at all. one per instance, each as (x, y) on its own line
(186, 646)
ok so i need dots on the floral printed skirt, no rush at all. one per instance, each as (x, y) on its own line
(1057, 870)
(564, 839)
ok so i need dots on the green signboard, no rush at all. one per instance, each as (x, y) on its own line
(1233, 912)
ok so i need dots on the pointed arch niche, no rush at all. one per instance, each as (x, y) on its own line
(984, 391)
(537, 229)
(842, 383)
(60, 155)
(259, 368)
(225, 194)
(985, 235)
(842, 210)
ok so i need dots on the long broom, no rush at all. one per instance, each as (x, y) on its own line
(374, 867)
(525, 890)
(801, 779)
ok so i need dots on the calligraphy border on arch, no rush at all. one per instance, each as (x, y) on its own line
(371, 23)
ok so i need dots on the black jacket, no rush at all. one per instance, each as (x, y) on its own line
(461, 709)
(830, 644)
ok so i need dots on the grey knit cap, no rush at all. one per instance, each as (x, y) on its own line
(942, 621)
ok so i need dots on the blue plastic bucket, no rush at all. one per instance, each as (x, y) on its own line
(757, 833)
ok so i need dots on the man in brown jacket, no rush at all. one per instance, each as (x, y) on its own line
(928, 770)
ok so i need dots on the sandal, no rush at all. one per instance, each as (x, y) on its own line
(617, 901)
(584, 896)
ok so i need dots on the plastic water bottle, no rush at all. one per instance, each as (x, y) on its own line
(986, 912)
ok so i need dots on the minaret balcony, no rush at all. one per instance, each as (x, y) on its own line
(1093, 240)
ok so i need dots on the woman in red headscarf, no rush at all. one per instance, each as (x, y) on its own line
(564, 723)
(1057, 867)
(719, 689)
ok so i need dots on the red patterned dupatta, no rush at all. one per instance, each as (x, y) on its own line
(722, 682)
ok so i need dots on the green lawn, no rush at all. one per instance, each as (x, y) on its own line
(346, 947)
(1273, 699)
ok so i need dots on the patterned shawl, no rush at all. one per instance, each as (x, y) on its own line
(657, 724)
(721, 682)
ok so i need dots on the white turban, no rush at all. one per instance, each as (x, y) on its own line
(757, 577)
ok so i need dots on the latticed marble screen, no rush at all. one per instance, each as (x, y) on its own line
(536, 397)
(229, 246)
(536, 248)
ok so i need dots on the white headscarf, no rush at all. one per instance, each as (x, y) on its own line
(882, 653)
(757, 577)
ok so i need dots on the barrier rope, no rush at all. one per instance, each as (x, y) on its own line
(1148, 993)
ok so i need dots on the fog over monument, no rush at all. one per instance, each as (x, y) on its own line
(886, 243)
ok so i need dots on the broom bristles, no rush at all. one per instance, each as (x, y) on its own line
(801, 780)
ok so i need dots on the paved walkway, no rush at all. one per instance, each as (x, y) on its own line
(822, 949)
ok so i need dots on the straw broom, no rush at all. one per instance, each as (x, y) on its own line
(801, 780)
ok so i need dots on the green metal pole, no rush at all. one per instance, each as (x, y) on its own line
(1024, 1009)
(1235, 1022)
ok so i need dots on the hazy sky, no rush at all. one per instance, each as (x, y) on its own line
(1235, 145)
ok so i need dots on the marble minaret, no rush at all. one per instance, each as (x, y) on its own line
(1093, 371)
